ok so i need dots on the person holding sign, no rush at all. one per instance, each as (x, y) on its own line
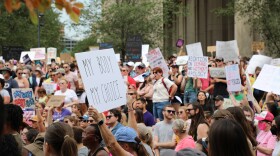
(220, 84)
(177, 78)
(9, 81)
(21, 79)
(164, 91)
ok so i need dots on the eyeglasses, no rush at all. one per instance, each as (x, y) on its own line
(108, 117)
(123, 70)
(155, 72)
(90, 121)
(170, 111)
(180, 112)
(130, 93)
(188, 110)
(66, 121)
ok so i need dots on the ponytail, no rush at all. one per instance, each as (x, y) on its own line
(69, 147)
(140, 149)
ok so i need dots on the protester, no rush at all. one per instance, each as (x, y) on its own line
(70, 120)
(60, 112)
(36, 147)
(275, 130)
(140, 69)
(219, 102)
(145, 90)
(148, 117)
(21, 79)
(9, 81)
(205, 102)
(30, 77)
(220, 84)
(145, 135)
(71, 77)
(82, 150)
(129, 80)
(113, 119)
(4, 93)
(177, 78)
(131, 72)
(84, 121)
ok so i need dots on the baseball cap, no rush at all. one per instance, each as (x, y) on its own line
(145, 74)
(131, 64)
(219, 97)
(84, 117)
(36, 148)
(126, 134)
(61, 71)
(219, 58)
(183, 152)
(265, 115)
(223, 113)
(142, 65)
(6, 69)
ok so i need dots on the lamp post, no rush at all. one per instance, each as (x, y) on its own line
(40, 23)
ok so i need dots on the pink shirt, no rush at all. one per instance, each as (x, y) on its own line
(187, 142)
(205, 82)
(266, 139)
(71, 77)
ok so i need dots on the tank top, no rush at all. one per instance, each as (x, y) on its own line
(95, 153)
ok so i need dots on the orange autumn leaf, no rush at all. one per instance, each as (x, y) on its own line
(8, 5)
(68, 7)
(36, 3)
(74, 17)
(76, 10)
(16, 5)
(29, 5)
(60, 2)
(33, 17)
(79, 5)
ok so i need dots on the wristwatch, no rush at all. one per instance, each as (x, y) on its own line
(101, 122)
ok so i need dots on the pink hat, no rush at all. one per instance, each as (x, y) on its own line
(265, 115)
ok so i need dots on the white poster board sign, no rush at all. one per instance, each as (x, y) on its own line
(194, 49)
(257, 61)
(118, 56)
(182, 60)
(217, 72)
(198, 67)
(250, 95)
(30, 54)
(156, 59)
(233, 78)
(145, 51)
(40, 53)
(275, 62)
(228, 50)
(51, 54)
(104, 84)
(268, 79)
(49, 87)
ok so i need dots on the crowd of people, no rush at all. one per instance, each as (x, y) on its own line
(163, 116)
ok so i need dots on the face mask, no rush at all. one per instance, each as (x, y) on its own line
(248, 118)
(262, 125)
(274, 130)
(23, 75)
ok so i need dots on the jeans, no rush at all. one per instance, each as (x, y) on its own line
(190, 97)
(157, 109)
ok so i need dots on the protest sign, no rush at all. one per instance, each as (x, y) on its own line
(227, 50)
(145, 51)
(182, 60)
(118, 57)
(23, 97)
(55, 100)
(194, 49)
(65, 58)
(134, 48)
(139, 78)
(179, 43)
(156, 59)
(250, 95)
(227, 103)
(217, 72)
(101, 67)
(49, 87)
(51, 54)
(268, 79)
(26, 59)
(30, 54)
(233, 78)
(257, 46)
(275, 62)
(198, 67)
(257, 61)
(211, 49)
(12, 52)
(40, 53)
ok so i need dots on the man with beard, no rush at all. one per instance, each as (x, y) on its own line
(163, 131)
(148, 117)
(219, 102)
(92, 140)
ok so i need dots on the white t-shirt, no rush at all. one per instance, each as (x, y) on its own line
(276, 150)
(160, 92)
(70, 96)
(4, 92)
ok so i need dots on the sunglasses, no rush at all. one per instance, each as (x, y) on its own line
(155, 72)
(171, 111)
(90, 121)
(180, 112)
(130, 93)
(108, 117)
(188, 110)
(83, 120)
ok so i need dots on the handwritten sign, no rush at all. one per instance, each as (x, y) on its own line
(217, 72)
(134, 48)
(49, 87)
(275, 62)
(257, 61)
(198, 67)
(56, 100)
(65, 58)
(156, 59)
(30, 54)
(100, 71)
(145, 51)
(23, 97)
(257, 46)
(268, 79)
(250, 95)
(211, 49)
(40, 53)
(227, 50)
(28, 113)
(194, 49)
(51, 54)
(233, 78)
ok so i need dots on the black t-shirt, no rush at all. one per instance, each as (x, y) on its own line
(220, 88)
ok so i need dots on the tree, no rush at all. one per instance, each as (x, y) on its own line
(84, 45)
(263, 16)
(17, 29)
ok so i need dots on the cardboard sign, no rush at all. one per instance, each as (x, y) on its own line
(198, 67)
(194, 49)
(145, 51)
(211, 49)
(179, 43)
(65, 58)
(156, 59)
(56, 100)
(30, 54)
(227, 50)
(101, 74)
(49, 87)
(23, 97)
(134, 48)
(268, 79)
(26, 59)
(233, 78)
(275, 62)
(217, 72)
(51, 54)
(182, 60)
(257, 61)
(250, 95)
(40, 53)
(257, 46)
